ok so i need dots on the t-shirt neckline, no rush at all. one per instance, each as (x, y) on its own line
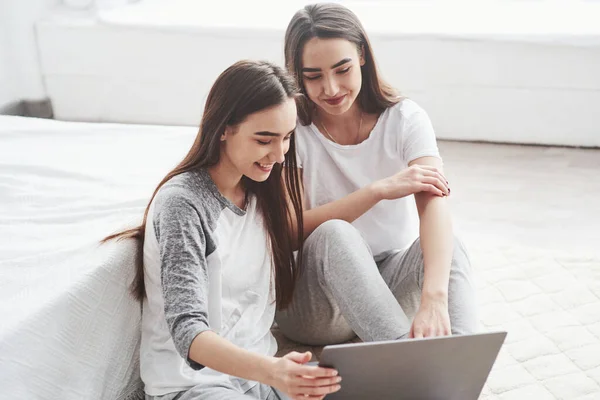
(329, 142)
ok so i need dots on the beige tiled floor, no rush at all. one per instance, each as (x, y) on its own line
(531, 219)
(539, 197)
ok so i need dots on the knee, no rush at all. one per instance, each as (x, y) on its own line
(335, 230)
(460, 256)
(336, 246)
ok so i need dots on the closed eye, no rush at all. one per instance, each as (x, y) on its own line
(267, 142)
(343, 71)
(312, 78)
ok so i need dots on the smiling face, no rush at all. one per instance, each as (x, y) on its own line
(261, 140)
(331, 73)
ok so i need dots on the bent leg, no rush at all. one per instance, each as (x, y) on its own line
(403, 272)
(341, 292)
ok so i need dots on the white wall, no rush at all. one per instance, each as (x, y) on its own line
(7, 89)
(154, 61)
(20, 73)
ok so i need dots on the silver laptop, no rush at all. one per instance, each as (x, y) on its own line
(444, 368)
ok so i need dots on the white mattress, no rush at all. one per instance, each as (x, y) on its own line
(69, 330)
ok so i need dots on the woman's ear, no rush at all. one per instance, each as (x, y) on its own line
(362, 55)
(228, 131)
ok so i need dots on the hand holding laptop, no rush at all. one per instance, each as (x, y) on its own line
(292, 375)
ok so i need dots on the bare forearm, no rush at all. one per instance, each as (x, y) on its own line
(214, 352)
(437, 245)
(347, 208)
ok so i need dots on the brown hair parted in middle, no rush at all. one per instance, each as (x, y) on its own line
(330, 21)
(245, 88)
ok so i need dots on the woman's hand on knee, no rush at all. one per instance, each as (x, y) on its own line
(411, 180)
(299, 381)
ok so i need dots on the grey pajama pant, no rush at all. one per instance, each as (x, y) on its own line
(223, 392)
(344, 291)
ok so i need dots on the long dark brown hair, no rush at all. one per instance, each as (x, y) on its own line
(243, 89)
(330, 21)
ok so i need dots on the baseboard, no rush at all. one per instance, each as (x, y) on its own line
(29, 108)
(501, 143)
(15, 108)
(38, 108)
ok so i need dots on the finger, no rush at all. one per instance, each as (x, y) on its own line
(425, 187)
(417, 332)
(292, 354)
(436, 182)
(301, 358)
(429, 331)
(433, 169)
(316, 391)
(302, 396)
(318, 382)
(427, 166)
(447, 330)
(315, 372)
(437, 174)
(423, 329)
(307, 355)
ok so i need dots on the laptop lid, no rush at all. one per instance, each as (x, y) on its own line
(448, 368)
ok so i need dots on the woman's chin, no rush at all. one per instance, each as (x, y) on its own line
(338, 109)
(258, 174)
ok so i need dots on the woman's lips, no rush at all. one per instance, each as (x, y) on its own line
(335, 100)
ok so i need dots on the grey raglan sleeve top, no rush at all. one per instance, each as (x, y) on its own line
(182, 242)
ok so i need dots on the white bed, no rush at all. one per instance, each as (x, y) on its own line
(68, 329)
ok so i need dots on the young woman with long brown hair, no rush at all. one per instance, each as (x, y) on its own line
(216, 251)
(374, 265)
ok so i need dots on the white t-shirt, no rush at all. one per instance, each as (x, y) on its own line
(331, 171)
(207, 266)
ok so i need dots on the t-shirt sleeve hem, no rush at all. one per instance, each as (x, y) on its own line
(188, 344)
(424, 153)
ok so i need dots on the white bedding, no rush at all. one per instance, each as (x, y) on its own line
(68, 329)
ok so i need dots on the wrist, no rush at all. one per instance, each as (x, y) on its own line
(377, 190)
(434, 296)
(266, 370)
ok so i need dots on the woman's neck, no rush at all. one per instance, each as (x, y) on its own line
(344, 129)
(342, 121)
(229, 182)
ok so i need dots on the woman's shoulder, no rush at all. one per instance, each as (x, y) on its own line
(304, 137)
(181, 185)
(188, 190)
(405, 109)
(302, 128)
